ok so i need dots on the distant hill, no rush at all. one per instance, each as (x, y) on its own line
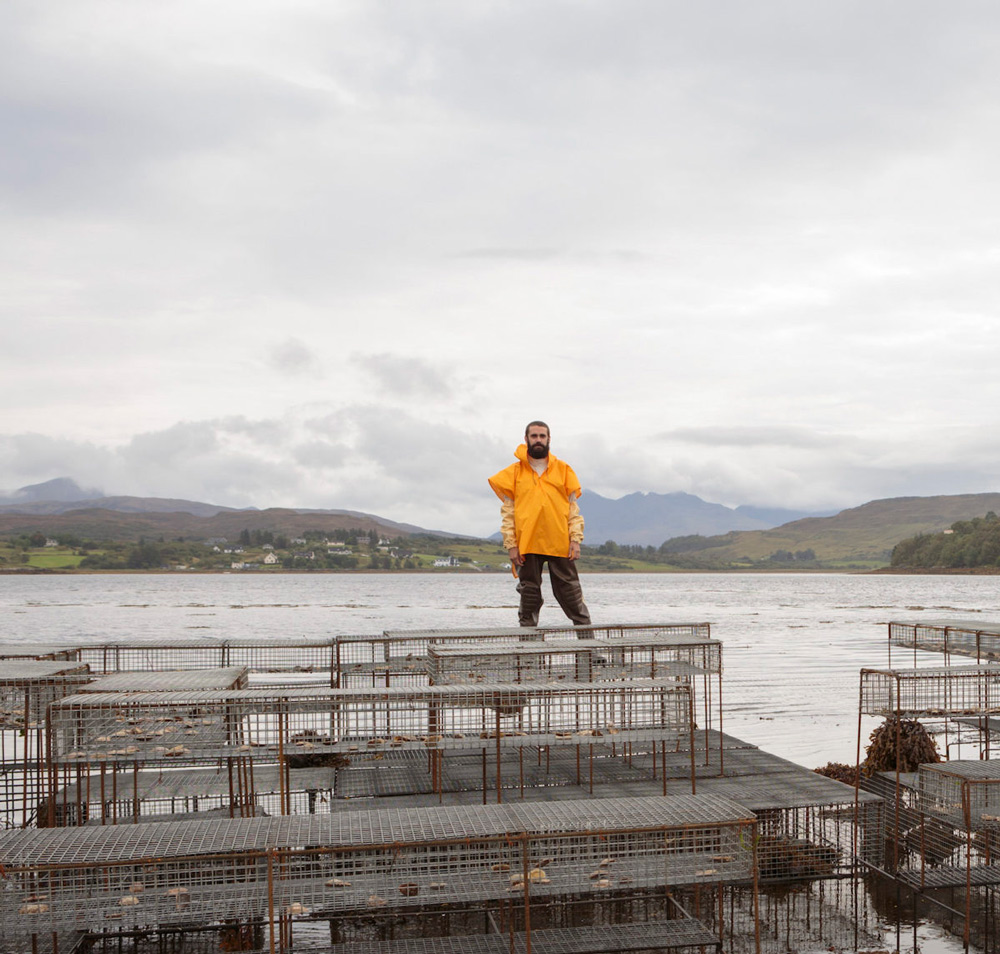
(100, 524)
(648, 519)
(62, 505)
(60, 489)
(639, 518)
(866, 533)
(710, 533)
(118, 505)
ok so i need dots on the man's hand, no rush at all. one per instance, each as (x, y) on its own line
(574, 550)
(515, 557)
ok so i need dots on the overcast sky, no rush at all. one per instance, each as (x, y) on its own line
(337, 254)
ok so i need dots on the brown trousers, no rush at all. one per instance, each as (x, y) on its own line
(565, 587)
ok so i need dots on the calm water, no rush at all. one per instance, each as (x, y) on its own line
(792, 644)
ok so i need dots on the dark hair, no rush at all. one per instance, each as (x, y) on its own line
(537, 424)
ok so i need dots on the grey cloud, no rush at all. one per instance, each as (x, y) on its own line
(433, 473)
(292, 357)
(183, 441)
(402, 376)
(88, 139)
(762, 232)
(511, 254)
(320, 454)
(33, 458)
(750, 437)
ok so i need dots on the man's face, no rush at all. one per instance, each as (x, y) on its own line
(537, 440)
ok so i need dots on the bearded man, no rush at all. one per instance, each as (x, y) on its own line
(541, 523)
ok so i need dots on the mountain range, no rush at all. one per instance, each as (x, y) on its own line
(712, 534)
(61, 504)
(639, 518)
(648, 519)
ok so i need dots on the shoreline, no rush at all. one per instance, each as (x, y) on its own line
(721, 571)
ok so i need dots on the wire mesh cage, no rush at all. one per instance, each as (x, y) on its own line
(399, 657)
(198, 873)
(964, 792)
(214, 723)
(257, 656)
(27, 687)
(103, 745)
(581, 660)
(982, 642)
(934, 691)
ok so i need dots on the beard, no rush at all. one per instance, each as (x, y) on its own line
(538, 451)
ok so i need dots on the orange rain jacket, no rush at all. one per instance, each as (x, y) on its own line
(541, 502)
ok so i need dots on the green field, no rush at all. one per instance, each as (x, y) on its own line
(52, 558)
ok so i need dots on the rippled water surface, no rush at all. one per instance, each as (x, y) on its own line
(792, 644)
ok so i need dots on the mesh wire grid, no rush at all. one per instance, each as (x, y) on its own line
(195, 871)
(935, 691)
(38, 651)
(227, 677)
(178, 725)
(254, 655)
(976, 639)
(581, 660)
(965, 793)
(401, 653)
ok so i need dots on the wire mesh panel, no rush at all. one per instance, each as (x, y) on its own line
(580, 660)
(938, 691)
(977, 639)
(38, 651)
(227, 677)
(257, 656)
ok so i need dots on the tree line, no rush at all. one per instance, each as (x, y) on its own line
(966, 544)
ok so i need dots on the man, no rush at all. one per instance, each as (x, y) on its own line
(541, 523)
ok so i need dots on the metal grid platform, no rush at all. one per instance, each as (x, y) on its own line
(933, 692)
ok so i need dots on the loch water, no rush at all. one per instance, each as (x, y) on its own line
(793, 644)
